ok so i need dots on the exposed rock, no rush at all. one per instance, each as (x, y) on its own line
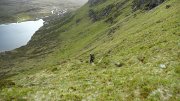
(95, 2)
(110, 12)
(163, 66)
(93, 15)
(97, 15)
(146, 4)
(118, 64)
(107, 10)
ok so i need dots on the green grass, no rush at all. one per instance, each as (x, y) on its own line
(54, 65)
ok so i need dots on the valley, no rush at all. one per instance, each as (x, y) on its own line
(23, 10)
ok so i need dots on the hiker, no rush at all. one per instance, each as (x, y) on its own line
(91, 58)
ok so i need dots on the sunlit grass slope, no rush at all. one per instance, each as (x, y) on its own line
(136, 56)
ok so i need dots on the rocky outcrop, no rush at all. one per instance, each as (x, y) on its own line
(146, 4)
(109, 12)
(93, 15)
(95, 2)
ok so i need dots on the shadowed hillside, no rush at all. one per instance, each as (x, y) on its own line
(136, 48)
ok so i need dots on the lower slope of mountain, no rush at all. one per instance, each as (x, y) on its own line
(136, 46)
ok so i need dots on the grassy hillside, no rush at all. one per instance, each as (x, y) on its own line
(136, 55)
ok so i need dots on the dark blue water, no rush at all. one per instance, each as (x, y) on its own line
(15, 35)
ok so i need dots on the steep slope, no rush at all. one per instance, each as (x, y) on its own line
(136, 51)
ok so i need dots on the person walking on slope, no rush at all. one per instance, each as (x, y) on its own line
(92, 58)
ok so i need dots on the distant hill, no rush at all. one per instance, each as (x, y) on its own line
(20, 10)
